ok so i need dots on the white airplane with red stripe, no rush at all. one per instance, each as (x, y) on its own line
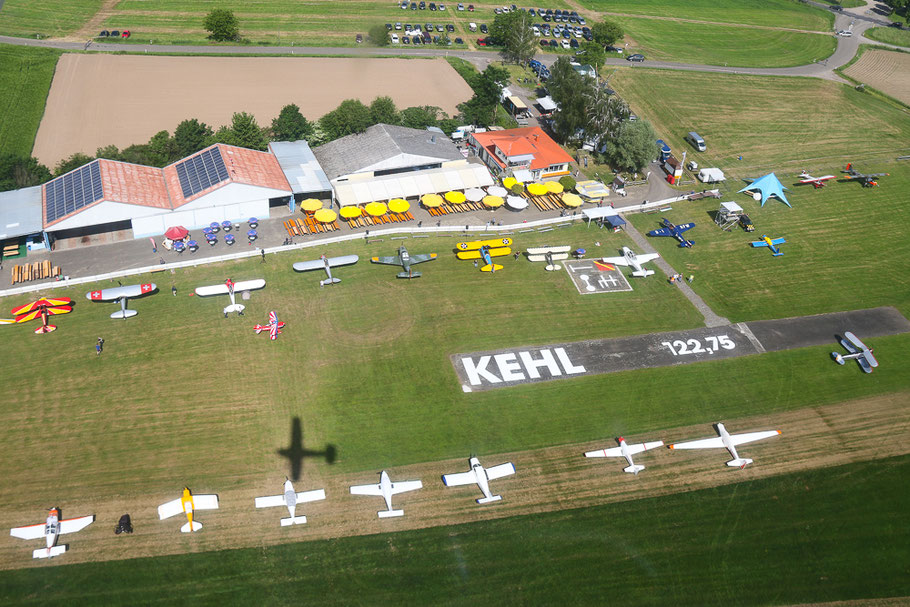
(627, 451)
(51, 530)
(729, 442)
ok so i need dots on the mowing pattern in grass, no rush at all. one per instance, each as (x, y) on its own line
(826, 535)
(890, 35)
(25, 79)
(776, 13)
(25, 18)
(724, 45)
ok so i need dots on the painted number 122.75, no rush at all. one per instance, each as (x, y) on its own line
(693, 346)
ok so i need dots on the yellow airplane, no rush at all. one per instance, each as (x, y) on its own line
(486, 250)
(186, 504)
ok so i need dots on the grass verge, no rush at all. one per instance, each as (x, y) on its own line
(25, 80)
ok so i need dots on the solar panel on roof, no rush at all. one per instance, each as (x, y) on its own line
(73, 191)
(201, 172)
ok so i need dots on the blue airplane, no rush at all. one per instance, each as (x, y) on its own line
(771, 243)
(675, 231)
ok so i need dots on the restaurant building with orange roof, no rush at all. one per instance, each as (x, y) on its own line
(528, 154)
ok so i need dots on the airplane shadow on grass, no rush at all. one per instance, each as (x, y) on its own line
(296, 452)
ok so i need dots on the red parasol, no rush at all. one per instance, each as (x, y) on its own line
(176, 233)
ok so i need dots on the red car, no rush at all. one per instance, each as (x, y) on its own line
(125, 34)
(471, 7)
(482, 41)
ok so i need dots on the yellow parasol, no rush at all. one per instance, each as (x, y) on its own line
(537, 189)
(455, 197)
(572, 200)
(350, 212)
(508, 182)
(399, 205)
(325, 215)
(554, 187)
(376, 209)
(431, 200)
(311, 204)
(493, 201)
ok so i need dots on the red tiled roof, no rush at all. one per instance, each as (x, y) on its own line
(519, 142)
(134, 184)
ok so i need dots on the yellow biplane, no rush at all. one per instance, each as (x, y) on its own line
(485, 250)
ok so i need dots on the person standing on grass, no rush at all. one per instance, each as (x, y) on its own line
(262, 252)
(99, 346)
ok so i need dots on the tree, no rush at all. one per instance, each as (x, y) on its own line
(21, 172)
(606, 113)
(481, 108)
(110, 152)
(222, 25)
(247, 132)
(567, 182)
(378, 35)
(593, 54)
(383, 111)
(633, 148)
(190, 136)
(73, 162)
(162, 149)
(570, 91)
(519, 44)
(419, 117)
(351, 116)
(291, 125)
(606, 32)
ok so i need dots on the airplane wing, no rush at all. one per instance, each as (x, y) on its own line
(170, 509)
(619, 261)
(500, 252)
(344, 260)
(759, 243)
(684, 227)
(304, 266)
(855, 341)
(60, 310)
(647, 257)
(249, 285)
(389, 261)
(660, 232)
(310, 496)
(212, 290)
(611, 452)
(366, 490)
(748, 437)
(29, 532)
(30, 316)
(778, 241)
(705, 443)
(270, 501)
(639, 447)
(459, 478)
(205, 502)
(72, 525)
(500, 471)
(405, 486)
(422, 258)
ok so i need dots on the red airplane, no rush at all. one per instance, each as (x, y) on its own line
(274, 327)
(42, 308)
(817, 182)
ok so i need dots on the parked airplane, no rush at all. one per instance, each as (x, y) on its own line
(485, 250)
(405, 260)
(817, 182)
(771, 243)
(274, 327)
(386, 488)
(229, 288)
(626, 451)
(675, 231)
(290, 499)
(858, 351)
(187, 504)
(867, 179)
(326, 263)
(480, 475)
(51, 530)
(549, 255)
(43, 308)
(634, 261)
(122, 294)
(727, 441)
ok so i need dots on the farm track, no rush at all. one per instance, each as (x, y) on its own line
(548, 479)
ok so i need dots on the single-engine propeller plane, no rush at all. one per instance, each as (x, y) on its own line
(634, 261)
(274, 327)
(549, 255)
(290, 499)
(817, 182)
(485, 250)
(229, 288)
(727, 441)
(868, 180)
(326, 263)
(858, 351)
(187, 504)
(51, 530)
(405, 260)
(627, 451)
(771, 243)
(386, 488)
(122, 294)
(676, 231)
(42, 308)
(481, 476)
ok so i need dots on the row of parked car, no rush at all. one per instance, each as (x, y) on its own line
(564, 31)
(417, 31)
(418, 38)
(405, 5)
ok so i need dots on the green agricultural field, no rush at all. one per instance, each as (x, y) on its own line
(774, 13)
(49, 18)
(25, 79)
(776, 124)
(714, 44)
(889, 35)
(828, 535)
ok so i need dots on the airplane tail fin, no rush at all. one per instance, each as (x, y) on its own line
(409, 275)
(390, 513)
(633, 469)
(294, 520)
(330, 281)
(487, 500)
(45, 553)
(196, 526)
(643, 273)
(552, 267)
(491, 267)
(687, 243)
(739, 462)
(838, 358)
(778, 254)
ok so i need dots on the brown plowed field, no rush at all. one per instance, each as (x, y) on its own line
(886, 71)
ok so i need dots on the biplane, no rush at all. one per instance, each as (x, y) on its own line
(274, 327)
(676, 231)
(122, 294)
(229, 288)
(771, 243)
(549, 255)
(405, 260)
(42, 308)
(485, 250)
(858, 351)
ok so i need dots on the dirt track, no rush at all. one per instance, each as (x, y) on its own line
(97, 100)
(554, 478)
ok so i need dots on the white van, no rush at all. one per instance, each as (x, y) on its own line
(394, 38)
(697, 142)
(472, 27)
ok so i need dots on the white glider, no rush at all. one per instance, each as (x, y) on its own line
(290, 499)
(229, 288)
(727, 441)
(634, 261)
(122, 294)
(51, 530)
(187, 504)
(627, 451)
(481, 476)
(386, 488)
(326, 263)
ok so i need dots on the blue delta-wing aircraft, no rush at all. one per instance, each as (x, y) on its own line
(675, 231)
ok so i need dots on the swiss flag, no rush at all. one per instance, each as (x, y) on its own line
(145, 288)
(96, 294)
